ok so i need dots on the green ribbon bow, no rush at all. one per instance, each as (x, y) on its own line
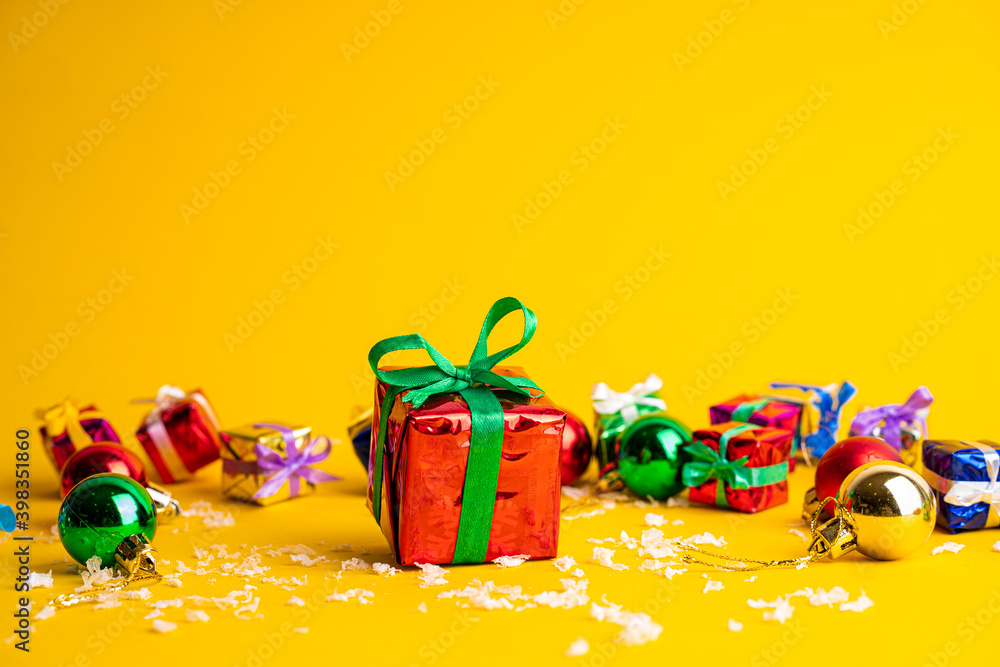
(471, 382)
(709, 464)
(744, 411)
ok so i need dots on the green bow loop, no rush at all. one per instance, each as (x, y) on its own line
(709, 464)
(470, 381)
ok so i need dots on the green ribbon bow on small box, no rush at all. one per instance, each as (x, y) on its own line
(710, 464)
(472, 383)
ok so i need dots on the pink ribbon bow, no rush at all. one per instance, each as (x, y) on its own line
(294, 466)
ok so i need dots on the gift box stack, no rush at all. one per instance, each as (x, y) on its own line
(262, 462)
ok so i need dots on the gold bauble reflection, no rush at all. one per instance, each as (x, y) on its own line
(892, 506)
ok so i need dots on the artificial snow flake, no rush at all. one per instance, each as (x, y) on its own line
(304, 559)
(654, 545)
(734, 625)
(511, 561)
(164, 626)
(653, 519)
(795, 531)
(422, 607)
(432, 575)
(40, 580)
(363, 596)
(637, 627)
(197, 615)
(781, 609)
(211, 518)
(301, 630)
(95, 576)
(707, 538)
(603, 556)
(296, 601)
(953, 547)
(156, 613)
(781, 613)
(564, 563)
(835, 595)
(355, 564)
(140, 594)
(578, 648)
(859, 605)
(712, 585)
(386, 569)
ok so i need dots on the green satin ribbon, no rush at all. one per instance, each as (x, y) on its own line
(471, 382)
(709, 464)
(743, 411)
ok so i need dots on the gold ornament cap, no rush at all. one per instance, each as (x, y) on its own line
(136, 557)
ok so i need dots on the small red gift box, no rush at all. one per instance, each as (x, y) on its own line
(68, 427)
(424, 475)
(180, 435)
(763, 411)
(749, 461)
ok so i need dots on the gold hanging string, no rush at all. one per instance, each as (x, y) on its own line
(732, 564)
(93, 595)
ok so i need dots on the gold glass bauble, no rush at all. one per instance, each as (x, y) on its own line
(892, 507)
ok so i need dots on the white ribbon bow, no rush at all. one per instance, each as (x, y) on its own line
(964, 494)
(609, 402)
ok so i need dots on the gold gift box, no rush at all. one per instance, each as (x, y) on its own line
(240, 476)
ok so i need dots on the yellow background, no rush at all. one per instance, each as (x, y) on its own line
(557, 84)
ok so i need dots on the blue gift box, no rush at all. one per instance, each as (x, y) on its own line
(964, 474)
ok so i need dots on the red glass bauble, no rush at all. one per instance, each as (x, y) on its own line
(844, 458)
(576, 449)
(98, 458)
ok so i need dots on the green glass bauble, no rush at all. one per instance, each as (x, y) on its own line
(100, 512)
(651, 455)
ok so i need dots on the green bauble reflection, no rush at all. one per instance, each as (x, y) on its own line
(651, 455)
(100, 512)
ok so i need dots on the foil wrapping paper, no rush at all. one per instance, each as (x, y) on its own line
(61, 442)
(954, 463)
(763, 446)
(192, 439)
(424, 466)
(241, 477)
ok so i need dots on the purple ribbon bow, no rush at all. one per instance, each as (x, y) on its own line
(893, 416)
(294, 466)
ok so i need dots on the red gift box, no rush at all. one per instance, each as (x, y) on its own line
(180, 435)
(68, 427)
(424, 467)
(764, 447)
(763, 411)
